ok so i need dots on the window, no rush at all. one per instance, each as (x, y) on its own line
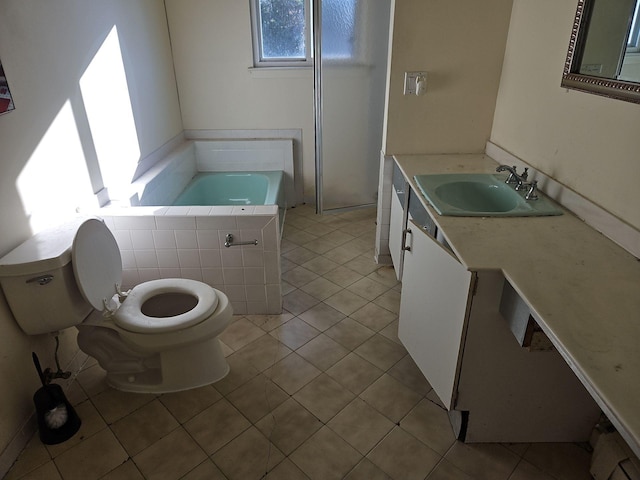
(281, 32)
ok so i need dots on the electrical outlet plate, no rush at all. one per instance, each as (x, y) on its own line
(410, 81)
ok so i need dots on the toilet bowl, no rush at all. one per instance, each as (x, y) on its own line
(161, 336)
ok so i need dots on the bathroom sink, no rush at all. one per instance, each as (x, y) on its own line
(480, 195)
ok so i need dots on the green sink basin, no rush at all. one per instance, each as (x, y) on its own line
(480, 195)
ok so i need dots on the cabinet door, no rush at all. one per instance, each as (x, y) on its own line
(433, 308)
(396, 225)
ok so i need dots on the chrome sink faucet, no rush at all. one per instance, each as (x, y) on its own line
(513, 177)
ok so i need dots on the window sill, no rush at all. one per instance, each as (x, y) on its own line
(281, 72)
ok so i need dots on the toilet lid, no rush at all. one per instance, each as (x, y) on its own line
(96, 261)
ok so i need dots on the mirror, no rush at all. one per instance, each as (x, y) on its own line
(604, 50)
(6, 102)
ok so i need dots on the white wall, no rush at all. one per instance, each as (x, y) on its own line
(584, 141)
(211, 42)
(58, 134)
(461, 46)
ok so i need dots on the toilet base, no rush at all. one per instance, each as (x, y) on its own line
(184, 368)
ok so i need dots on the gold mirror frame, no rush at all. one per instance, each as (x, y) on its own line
(618, 89)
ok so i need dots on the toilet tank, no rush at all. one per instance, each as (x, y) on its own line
(38, 282)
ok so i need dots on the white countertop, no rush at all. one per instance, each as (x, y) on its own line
(583, 289)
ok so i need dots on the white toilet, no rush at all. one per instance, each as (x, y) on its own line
(159, 337)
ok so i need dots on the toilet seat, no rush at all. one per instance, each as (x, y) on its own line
(97, 266)
(130, 317)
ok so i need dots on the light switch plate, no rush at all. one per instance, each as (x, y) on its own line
(410, 81)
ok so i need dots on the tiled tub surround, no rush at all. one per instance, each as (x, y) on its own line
(188, 242)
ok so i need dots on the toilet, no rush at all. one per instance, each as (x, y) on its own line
(161, 336)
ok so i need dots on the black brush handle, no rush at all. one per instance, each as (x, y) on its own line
(36, 362)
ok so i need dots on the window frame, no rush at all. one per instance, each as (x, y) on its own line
(256, 33)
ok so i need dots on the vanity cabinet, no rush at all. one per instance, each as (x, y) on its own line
(452, 322)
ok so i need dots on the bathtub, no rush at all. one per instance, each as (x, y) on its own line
(169, 229)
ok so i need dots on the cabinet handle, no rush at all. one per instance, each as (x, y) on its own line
(405, 247)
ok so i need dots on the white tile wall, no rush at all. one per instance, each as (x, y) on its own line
(188, 242)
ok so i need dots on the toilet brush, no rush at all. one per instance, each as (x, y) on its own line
(56, 414)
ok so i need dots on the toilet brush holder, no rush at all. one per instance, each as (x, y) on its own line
(57, 419)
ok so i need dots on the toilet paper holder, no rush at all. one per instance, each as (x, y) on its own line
(229, 242)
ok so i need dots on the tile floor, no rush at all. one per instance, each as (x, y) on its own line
(323, 391)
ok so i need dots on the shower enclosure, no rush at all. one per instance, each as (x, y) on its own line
(351, 41)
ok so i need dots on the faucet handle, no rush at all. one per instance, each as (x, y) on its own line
(525, 174)
(531, 193)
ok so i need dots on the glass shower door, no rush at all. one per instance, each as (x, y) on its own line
(350, 93)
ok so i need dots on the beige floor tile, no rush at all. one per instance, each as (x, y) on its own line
(288, 426)
(338, 237)
(324, 397)
(381, 352)
(292, 373)
(240, 333)
(286, 289)
(342, 276)
(345, 301)
(294, 333)
(286, 470)
(170, 458)
(320, 265)
(362, 264)
(385, 275)
(325, 456)
(32, 457)
(526, 471)
(322, 316)
(407, 372)
(354, 373)
(320, 245)
(300, 255)
(127, 471)
(298, 301)
(564, 461)
(368, 288)
(389, 300)
(241, 371)
(188, 403)
(366, 470)
(216, 426)
(299, 276)
(114, 404)
(373, 317)
(286, 265)
(343, 254)
(320, 229)
(269, 322)
(430, 424)
(93, 380)
(296, 235)
(349, 333)
(322, 352)
(390, 397)
(391, 332)
(207, 470)
(446, 471)
(401, 456)
(247, 457)
(93, 458)
(484, 461)
(144, 427)
(48, 471)
(321, 288)
(263, 352)
(361, 425)
(257, 397)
